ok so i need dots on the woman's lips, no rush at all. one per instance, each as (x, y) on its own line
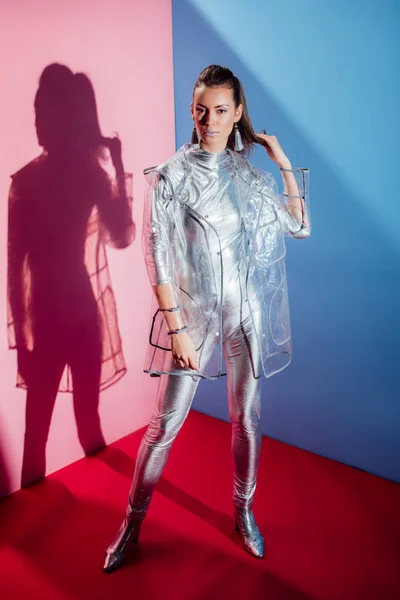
(210, 133)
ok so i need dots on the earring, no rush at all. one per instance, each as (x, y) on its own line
(195, 137)
(238, 140)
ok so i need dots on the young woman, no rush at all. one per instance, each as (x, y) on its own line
(214, 249)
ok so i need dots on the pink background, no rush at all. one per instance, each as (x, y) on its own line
(125, 47)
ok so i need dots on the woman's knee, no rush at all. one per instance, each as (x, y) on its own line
(163, 429)
(246, 419)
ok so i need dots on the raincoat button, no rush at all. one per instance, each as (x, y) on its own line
(206, 216)
(218, 253)
(217, 333)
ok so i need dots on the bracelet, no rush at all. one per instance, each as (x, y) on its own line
(174, 309)
(288, 196)
(295, 170)
(176, 331)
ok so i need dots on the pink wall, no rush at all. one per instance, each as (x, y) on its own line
(125, 47)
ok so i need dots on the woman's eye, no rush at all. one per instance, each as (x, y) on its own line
(222, 110)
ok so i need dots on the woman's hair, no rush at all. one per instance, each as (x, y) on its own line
(217, 76)
(66, 111)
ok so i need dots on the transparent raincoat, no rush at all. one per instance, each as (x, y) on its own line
(179, 242)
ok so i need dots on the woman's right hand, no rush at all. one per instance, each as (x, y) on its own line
(184, 351)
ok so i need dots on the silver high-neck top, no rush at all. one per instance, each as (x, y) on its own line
(208, 160)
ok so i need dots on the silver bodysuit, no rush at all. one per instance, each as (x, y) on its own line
(219, 205)
(213, 230)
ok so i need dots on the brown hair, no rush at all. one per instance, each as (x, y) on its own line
(218, 76)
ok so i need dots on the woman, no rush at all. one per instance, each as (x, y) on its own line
(214, 248)
(63, 206)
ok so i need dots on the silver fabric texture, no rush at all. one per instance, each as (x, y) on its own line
(214, 230)
(174, 399)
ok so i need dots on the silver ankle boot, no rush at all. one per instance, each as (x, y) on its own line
(251, 536)
(128, 532)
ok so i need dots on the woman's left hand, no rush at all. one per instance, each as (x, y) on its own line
(274, 151)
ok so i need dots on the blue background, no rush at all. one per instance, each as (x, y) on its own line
(323, 78)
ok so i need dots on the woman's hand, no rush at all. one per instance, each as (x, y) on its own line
(184, 352)
(275, 151)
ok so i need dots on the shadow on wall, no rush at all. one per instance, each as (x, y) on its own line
(339, 398)
(62, 316)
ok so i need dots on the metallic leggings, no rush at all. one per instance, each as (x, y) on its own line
(174, 399)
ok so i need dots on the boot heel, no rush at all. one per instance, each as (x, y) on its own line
(135, 539)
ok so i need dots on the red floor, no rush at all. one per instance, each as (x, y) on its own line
(332, 532)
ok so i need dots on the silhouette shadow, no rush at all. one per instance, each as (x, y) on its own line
(63, 207)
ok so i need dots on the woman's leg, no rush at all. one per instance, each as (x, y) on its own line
(174, 399)
(243, 382)
(242, 361)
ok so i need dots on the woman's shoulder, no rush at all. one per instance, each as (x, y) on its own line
(172, 170)
(177, 160)
(251, 174)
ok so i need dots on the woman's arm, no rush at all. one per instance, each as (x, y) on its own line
(182, 347)
(160, 266)
(169, 305)
(293, 192)
(294, 200)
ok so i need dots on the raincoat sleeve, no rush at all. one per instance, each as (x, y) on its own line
(114, 204)
(157, 228)
(290, 224)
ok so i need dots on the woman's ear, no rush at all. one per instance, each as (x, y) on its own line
(191, 110)
(238, 112)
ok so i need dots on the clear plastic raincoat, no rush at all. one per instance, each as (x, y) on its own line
(183, 248)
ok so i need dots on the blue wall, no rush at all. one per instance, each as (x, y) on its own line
(322, 77)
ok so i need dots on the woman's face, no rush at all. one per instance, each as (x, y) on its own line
(214, 114)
